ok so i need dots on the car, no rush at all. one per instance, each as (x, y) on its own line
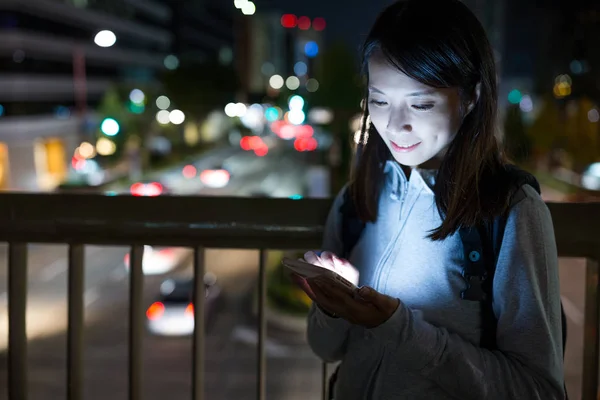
(149, 189)
(161, 260)
(172, 314)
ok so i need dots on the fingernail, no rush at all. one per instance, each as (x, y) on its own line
(364, 291)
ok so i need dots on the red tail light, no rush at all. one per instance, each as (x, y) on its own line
(189, 310)
(155, 311)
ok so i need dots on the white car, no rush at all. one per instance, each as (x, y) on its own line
(173, 312)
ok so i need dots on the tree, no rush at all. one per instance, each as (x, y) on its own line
(199, 88)
(547, 131)
(340, 90)
(516, 141)
(582, 144)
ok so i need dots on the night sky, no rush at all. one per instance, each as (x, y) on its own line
(349, 20)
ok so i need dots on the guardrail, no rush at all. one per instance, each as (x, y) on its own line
(199, 223)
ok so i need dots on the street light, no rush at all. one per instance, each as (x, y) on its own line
(249, 8)
(105, 38)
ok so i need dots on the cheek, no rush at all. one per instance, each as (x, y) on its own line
(378, 119)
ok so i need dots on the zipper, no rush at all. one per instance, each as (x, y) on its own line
(392, 243)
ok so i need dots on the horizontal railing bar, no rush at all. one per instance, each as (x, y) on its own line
(217, 222)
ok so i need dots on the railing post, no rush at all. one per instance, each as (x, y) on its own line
(589, 389)
(75, 322)
(136, 321)
(324, 391)
(17, 321)
(262, 326)
(199, 326)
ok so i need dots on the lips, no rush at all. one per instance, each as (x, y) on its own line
(405, 147)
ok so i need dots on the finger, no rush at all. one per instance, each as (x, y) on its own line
(325, 299)
(319, 290)
(333, 286)
(342, 301)
(327, 304)
(312, 258)
(301, 282)
(379, 300)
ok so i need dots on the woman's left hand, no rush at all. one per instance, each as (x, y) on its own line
(365, 307)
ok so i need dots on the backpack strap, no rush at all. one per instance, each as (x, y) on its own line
(481, 250)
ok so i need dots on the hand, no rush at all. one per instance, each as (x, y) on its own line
(332, 262)
(365, 307)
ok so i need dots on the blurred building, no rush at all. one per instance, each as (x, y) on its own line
(273, 43)
(203, 28)
(54, 72)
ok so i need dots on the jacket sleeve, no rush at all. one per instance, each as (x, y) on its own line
(327, 335)
(528, 363)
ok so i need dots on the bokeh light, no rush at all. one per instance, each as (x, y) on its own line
(176, 117)
(163, 117)
(292, 83)
(163, 102)
(276, 82)
(105, 38)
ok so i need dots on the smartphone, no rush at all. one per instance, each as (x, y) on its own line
(308, 270)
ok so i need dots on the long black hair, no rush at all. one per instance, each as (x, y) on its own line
(439, 43)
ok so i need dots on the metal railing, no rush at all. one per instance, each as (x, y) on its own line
(199, 223)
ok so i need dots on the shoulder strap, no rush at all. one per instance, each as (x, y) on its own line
(481, 250)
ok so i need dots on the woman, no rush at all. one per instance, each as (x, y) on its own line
(428, 166)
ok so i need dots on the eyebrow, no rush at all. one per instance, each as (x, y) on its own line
(412, 94)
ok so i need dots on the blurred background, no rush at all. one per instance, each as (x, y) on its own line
(241, 98)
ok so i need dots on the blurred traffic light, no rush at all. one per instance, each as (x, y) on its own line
(304, 23)
(319, 24)
(110, 127)
(289, 21)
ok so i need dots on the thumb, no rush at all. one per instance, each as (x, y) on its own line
(367, 293)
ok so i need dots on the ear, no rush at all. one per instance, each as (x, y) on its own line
(474, 99)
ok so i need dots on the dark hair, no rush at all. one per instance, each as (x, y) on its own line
(439, 43)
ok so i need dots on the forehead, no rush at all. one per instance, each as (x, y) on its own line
(382, 74)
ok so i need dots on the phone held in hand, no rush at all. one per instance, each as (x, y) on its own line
(308, 270)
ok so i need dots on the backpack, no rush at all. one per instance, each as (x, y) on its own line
(481, 249)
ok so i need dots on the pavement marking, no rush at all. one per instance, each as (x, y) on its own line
(250, 336)
(59, 266)
(91, 295)
(53, 270)
(572, 311)
(118, 274)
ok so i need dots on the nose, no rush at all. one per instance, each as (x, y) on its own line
(398, 122)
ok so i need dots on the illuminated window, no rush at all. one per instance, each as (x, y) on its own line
(50, 162)
(4, 169)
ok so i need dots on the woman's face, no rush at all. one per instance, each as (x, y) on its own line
(417, 122)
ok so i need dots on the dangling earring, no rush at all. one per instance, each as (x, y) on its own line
(367, 130)
(361, 138)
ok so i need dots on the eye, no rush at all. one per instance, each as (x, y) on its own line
(378, 103)
(423, 107)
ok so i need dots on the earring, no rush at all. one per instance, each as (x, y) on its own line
(359, 138)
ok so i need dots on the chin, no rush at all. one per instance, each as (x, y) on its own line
(410, 160)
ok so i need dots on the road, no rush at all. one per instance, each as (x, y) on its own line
(231, 338)
(293, 372)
